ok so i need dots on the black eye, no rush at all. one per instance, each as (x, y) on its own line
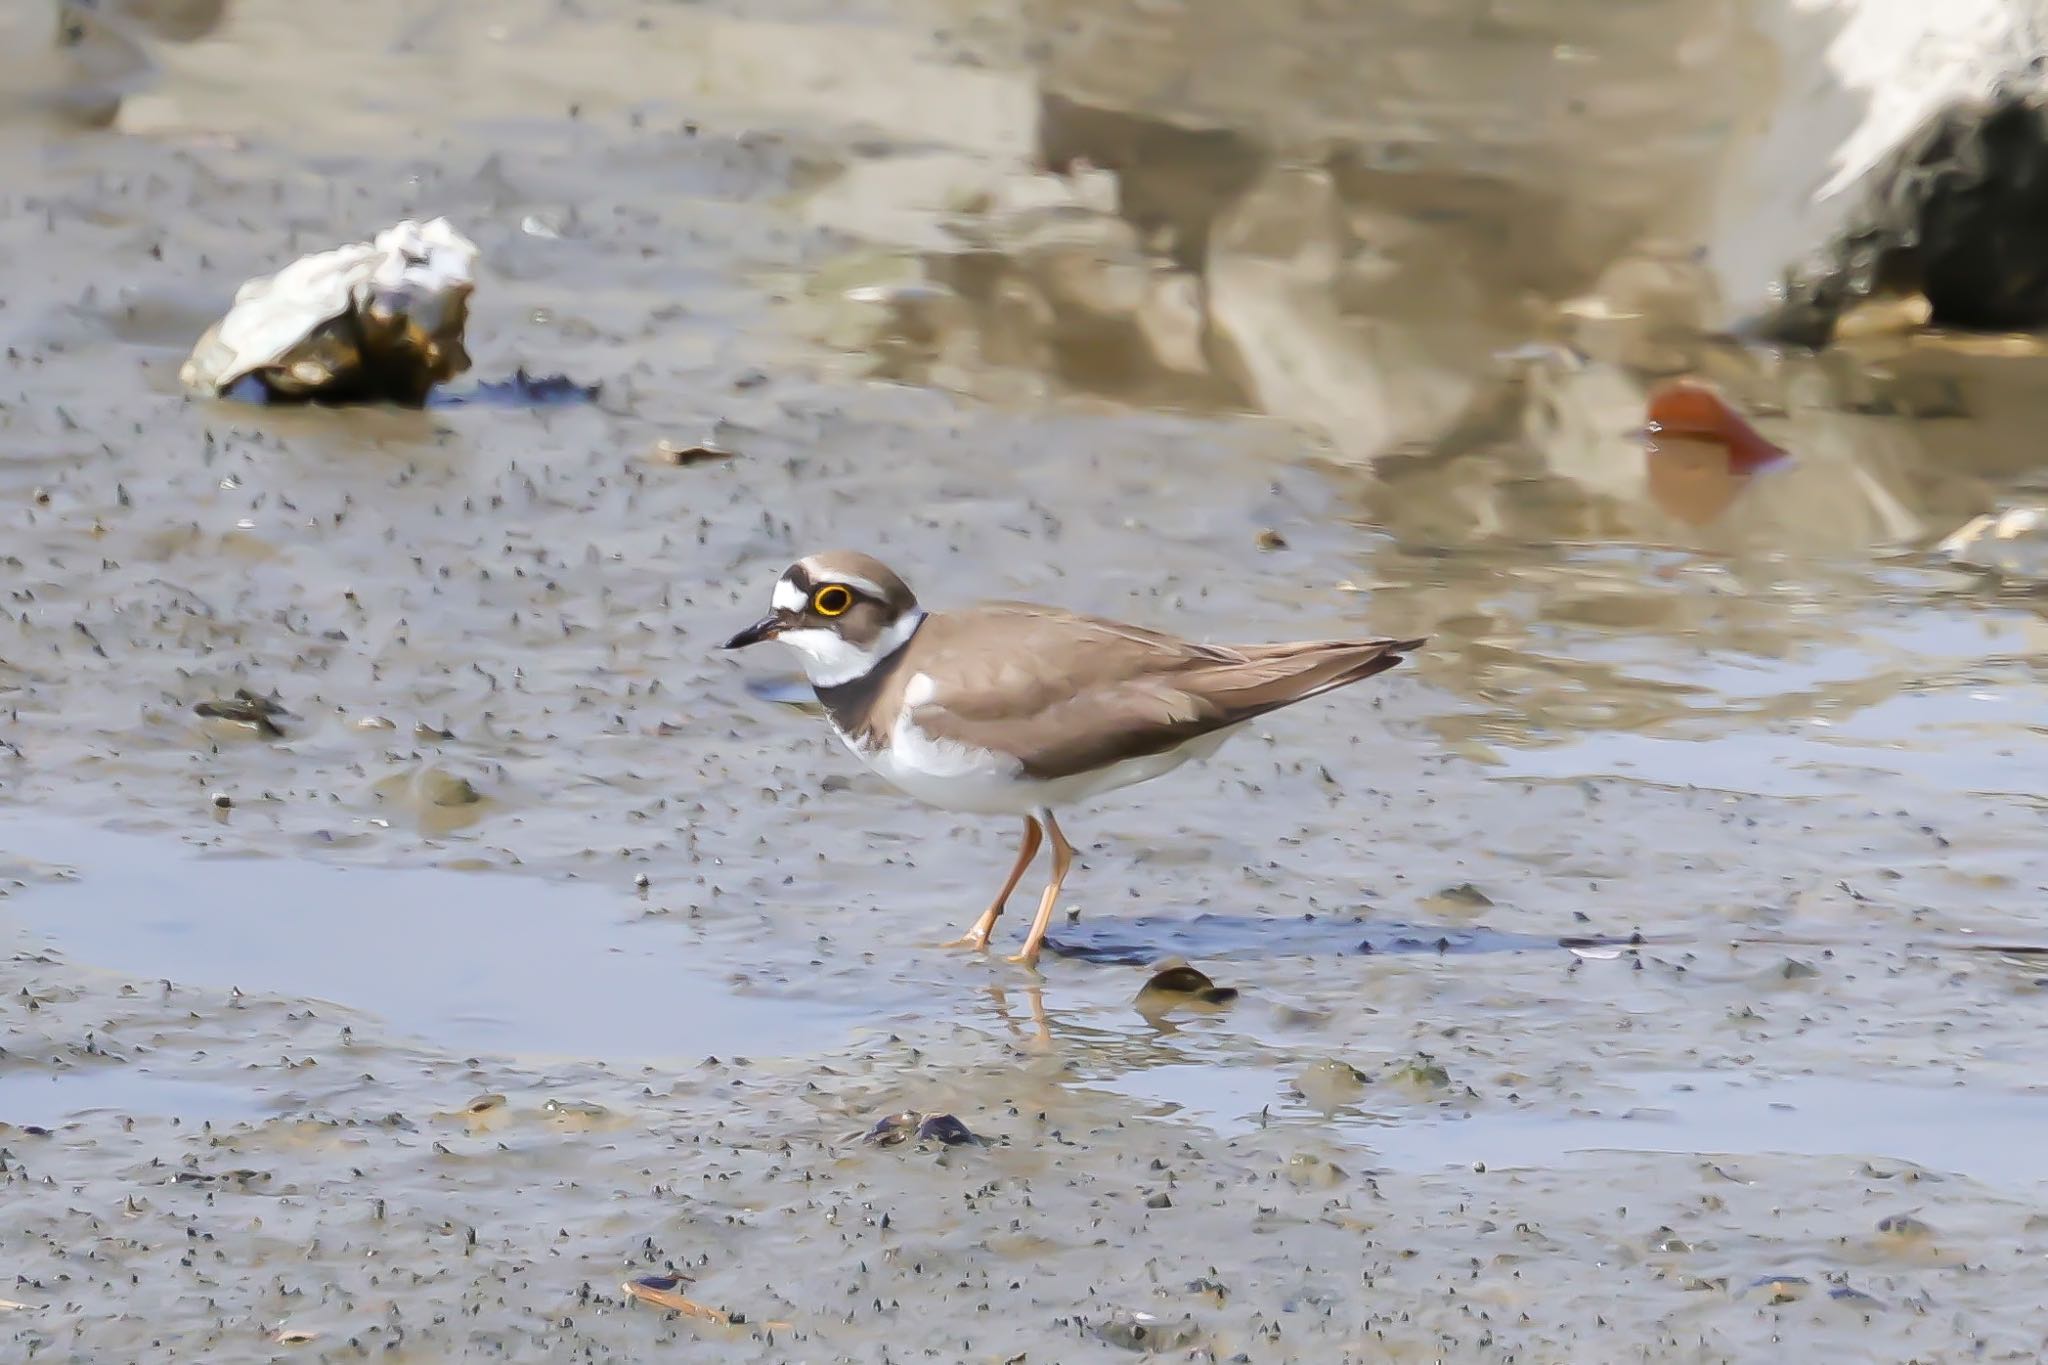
(832, 600)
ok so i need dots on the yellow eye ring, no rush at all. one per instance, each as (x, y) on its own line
(834, 599)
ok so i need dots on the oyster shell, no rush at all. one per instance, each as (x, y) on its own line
(377, 321)
(2012, 544)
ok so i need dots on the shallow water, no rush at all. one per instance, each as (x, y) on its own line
(434, 954)
(1981, 1134)
(1748, 806)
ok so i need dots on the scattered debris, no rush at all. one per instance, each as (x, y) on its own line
(1903, 1227)
(944, 1129)
(680, 454)
(438, 787)
(257, 714)
(241, 1176)
(663, 1292)
(1331, 1083)
(1463, 896)
(524, 390)
(581, 1111)
(1782, 1288)
(378, 321)
(893, 1129)
(426, 789)
(1140, 1331)
(1421, 1073)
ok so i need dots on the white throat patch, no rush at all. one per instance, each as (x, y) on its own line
(830, 660)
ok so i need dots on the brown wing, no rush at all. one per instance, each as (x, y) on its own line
(1069, 693)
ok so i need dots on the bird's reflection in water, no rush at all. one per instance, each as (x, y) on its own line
(1164, 1002)
(1039, 1038)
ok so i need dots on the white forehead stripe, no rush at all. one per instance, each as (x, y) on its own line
(787, 596)
(856, 582)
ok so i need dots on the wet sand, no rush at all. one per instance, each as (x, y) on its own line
(1454, 1115)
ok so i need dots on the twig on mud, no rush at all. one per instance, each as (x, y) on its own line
(661, 1291)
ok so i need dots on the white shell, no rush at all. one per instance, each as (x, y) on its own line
(2013, 543)
(413, 278)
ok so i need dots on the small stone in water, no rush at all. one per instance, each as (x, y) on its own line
(222, 801)
(1179, 979)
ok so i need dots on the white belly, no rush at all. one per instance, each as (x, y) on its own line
(979, 781)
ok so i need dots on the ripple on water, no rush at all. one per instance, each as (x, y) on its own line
(1979, 1132)
(47, 1099)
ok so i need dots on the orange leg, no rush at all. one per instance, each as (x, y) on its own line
(1041, 1023)
(977, 937)
(1062, 859)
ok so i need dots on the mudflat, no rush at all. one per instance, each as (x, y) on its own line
(1647, 971)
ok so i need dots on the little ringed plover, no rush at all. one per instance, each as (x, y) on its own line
(1010, 709)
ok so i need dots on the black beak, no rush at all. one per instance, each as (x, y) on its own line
(767, 628)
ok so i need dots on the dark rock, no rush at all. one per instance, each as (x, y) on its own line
(1954, 214)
